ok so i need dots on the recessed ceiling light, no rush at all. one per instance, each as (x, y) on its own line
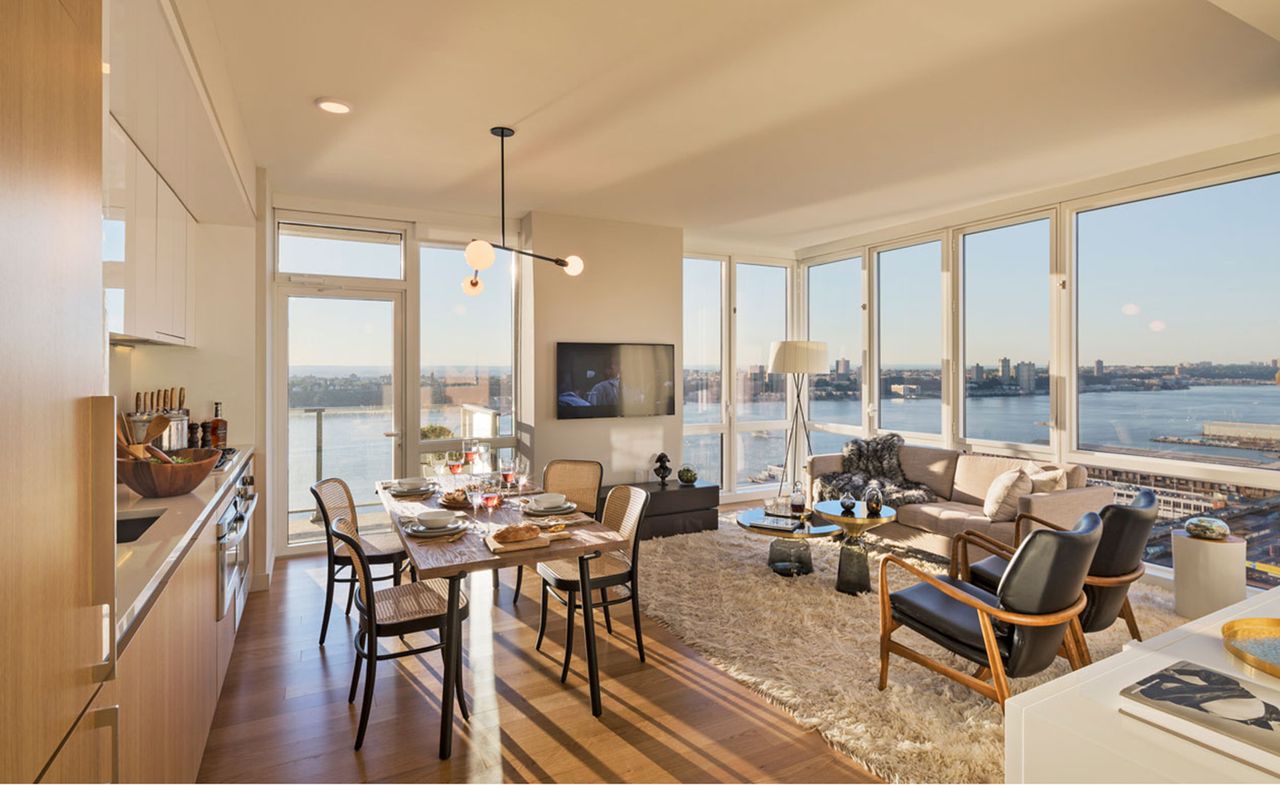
(106, 67)
(333, 105)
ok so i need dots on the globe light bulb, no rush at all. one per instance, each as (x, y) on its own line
(574, 266)
(479, 255)
(472, 286)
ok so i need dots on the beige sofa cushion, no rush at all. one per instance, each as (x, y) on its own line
(947, 518)
(1046, 479)
(1001, 503)
(932, 466)
(974, 474)
(1077, 476)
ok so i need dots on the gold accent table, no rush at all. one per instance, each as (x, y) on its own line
(854, 575)
(788, 553)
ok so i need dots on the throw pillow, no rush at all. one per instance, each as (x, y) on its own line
(877, 457)
(1001, 503)
(1046, 479)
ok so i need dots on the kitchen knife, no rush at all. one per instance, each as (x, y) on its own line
(182, 397)
(137, 402)
(173, 398)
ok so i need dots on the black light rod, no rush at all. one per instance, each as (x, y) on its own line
(553, 260)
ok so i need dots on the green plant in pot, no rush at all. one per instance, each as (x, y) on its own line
(687, 474)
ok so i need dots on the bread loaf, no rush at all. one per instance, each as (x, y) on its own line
(517, 533)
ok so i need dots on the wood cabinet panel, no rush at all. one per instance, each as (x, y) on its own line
(167, 676)
(50, 230)
(91, 752)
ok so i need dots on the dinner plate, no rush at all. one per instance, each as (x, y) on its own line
(567, 508)
(418, 530)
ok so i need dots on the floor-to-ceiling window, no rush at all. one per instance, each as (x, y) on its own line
(835, 316)
(910, 338)
(704, 412)
(761, 295)
(1006, 302)
(467, 359)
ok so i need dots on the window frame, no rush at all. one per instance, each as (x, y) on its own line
(720, 428)
(804, 321)
(957, 347)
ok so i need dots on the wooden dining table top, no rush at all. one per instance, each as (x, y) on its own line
(436, 558)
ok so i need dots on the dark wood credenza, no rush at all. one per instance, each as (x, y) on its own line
(675, 509)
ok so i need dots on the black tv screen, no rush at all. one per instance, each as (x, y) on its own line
(615, 380)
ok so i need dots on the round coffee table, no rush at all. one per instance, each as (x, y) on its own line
(854, 575)
(788, 553)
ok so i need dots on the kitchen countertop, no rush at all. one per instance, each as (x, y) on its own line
(144, 565)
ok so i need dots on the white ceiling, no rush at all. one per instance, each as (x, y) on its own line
(782, 124)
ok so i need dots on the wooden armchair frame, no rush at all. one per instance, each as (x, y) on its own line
(960, 568)
(998, 688)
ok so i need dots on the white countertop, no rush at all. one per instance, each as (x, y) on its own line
(1071, 729)
(143, 565)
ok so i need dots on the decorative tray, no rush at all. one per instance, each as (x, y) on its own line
(1254, 641)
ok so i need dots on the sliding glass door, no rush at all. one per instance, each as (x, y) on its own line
(760, 406)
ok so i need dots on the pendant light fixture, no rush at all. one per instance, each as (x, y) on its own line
(480, 253)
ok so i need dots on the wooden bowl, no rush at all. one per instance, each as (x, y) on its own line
(159, 480)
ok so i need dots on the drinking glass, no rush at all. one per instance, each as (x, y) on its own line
(470, 448)
(507, 468)
(454, 459)
(491, 501)
(476, 498)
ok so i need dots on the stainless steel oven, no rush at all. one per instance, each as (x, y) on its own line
(234, 544)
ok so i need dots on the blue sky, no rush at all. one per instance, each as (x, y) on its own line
(1182, 278)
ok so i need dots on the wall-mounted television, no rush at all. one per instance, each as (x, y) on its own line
(615, 380)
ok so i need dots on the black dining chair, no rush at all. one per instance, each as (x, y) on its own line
(1016, 631)
(396, 611)
(1116, 565)
(333, 500)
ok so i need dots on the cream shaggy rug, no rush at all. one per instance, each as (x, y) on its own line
(815, 652)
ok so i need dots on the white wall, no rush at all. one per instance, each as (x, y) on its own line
(630, 292)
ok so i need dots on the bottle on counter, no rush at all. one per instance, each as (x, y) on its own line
(217, 427)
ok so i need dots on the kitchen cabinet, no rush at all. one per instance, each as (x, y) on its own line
(91, 752)
(153, 282)
(58, 588)
(167, 675)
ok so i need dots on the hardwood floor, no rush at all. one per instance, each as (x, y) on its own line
(283, 713)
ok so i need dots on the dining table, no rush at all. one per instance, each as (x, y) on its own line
(455, 557)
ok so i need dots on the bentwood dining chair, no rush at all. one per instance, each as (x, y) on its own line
(333, 500)
(623, 512)
(579, 481)
(1116, 565)
(1017, 631)
(393, 612)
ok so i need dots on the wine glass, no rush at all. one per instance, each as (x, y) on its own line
(506, 467)
(476, 497)
(454, 459)
(470, 449)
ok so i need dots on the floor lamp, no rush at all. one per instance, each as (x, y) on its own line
(799, 359)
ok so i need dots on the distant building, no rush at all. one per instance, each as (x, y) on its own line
(842, 366)
(1098, 368)
(1275, 363)
(1004, 369)
(1026, 374)
(978, 374)
(905, 390)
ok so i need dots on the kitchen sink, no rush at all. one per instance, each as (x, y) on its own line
(130, 529)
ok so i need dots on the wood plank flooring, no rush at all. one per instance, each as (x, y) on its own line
(283, 713)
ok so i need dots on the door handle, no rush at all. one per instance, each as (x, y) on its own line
(109, 717)
(391, 434)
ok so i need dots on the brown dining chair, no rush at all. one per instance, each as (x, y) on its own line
(623, 512)
(579, 481)
(396, 611)
(333, 500)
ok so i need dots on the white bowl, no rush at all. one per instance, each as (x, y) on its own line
(412, 483)
(435, 519)
(548, 501)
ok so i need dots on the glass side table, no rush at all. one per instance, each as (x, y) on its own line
(854, 575)
(789, 552)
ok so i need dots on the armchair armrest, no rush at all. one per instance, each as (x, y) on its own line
(960, 551)
(995, 612)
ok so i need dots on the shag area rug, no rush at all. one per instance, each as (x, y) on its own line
(815, 652)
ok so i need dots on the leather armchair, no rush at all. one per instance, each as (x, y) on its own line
(1116, 565)
(1016, 631)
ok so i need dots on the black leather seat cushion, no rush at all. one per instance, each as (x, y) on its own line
(948, 622)
(987, 572)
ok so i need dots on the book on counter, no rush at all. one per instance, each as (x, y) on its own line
(1223, 713)
(769, 521)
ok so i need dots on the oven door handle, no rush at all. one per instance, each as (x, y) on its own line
(233, 538)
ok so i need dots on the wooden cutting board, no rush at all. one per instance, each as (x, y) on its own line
(541, 541)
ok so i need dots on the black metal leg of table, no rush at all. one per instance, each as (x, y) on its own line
(853, 575)
(589, 629)
(452, 662)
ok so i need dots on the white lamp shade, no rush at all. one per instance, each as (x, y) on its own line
(574, 266)
(798, 357)
(479, 255)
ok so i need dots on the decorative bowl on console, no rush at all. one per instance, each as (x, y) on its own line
(687, 475)
(1203, 528)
